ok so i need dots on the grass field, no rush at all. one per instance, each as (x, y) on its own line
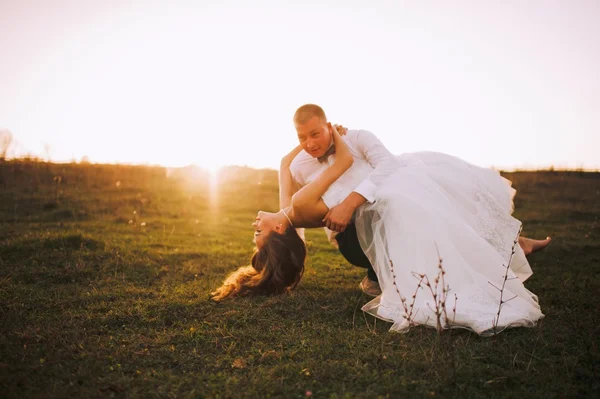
(105, 273)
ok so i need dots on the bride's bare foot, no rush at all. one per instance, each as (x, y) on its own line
(530, 245)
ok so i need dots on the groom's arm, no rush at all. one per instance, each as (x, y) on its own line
(338, 217)
(383, 162)
(380, 158)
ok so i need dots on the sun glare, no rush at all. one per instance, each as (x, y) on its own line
(213, 186)
(213, 170)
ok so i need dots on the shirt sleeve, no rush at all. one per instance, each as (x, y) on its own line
(380, 158)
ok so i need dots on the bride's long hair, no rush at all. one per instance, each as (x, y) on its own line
(276, 268)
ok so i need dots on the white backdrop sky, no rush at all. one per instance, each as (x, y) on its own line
(498, 83)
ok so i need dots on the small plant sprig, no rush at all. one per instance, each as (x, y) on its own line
(454, 308)
(505, 278)
(408, 309)
(440, 300)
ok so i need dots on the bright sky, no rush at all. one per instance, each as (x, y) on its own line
(498, 83)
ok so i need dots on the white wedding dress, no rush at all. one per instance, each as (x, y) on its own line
(443, 221)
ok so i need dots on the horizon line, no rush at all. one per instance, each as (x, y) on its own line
(524, 168)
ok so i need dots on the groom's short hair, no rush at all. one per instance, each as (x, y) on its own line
(306, 112)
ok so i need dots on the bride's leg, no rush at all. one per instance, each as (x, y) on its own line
(530, 245)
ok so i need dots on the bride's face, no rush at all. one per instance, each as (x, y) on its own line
(314, 136)
(265, 224)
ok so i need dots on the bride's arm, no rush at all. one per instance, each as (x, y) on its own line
(287, 184)
(307, 203)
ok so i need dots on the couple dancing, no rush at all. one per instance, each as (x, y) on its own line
(435, 233)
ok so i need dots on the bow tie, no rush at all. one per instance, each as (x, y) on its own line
(330, 151)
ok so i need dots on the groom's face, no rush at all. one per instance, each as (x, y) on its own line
(314, 136)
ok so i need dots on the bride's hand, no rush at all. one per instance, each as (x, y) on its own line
(341, 129)
(343, 155)
(335, 132)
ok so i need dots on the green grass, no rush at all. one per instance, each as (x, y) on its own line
(93, 305)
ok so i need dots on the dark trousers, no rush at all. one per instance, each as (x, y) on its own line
(351, 250)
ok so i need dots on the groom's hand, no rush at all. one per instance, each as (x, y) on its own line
(339, 217)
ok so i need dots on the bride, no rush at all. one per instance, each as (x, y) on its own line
(440, 238)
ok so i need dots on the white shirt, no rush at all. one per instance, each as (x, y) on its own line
(372, 164)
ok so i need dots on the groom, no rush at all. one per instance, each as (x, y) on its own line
(373, 158)
(316, 140)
